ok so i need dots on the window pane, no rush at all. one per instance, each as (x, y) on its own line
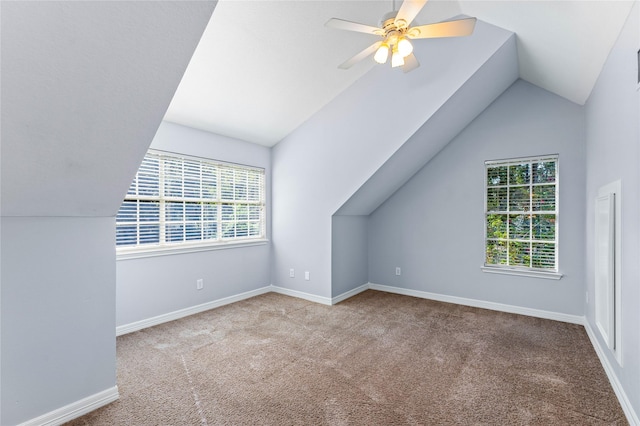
(172, 177)
(544, 227)
(210, 211)
(240, 187)
(193, 211)
(242, 212)
(128, 212)
(193, 231)
(543, 255)
(519, 254)
(149, 177)
(150, 234)
(191, 179)
(228, 230)
(175, 232)
(126, 235)
(519, 227)
(174, 211)
(210, 231)
(519, 174)
(149, 211)
(209, 182)
(497, 176)
(544, 172)
(544, 197)
(226, 177)
(228, 212)
(254, 229)
(496, 226)
(254, 212)
(519, 199)
(242, 229)
(496, 199)
(255, 185)
(496, 253)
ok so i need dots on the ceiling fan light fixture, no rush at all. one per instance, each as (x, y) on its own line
(398, 35)
(382, 54)
(397, 60)
(405, 48)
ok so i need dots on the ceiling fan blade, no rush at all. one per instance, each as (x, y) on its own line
(408, 11)
(457, 28)
(360, 56)
(341, 24)
(410, 63)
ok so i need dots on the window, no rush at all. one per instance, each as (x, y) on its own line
(521, 214)
(177, 200)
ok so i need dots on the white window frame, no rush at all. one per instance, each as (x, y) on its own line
(529, 271)
(214, 201)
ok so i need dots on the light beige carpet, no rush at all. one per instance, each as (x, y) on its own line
(375, 359)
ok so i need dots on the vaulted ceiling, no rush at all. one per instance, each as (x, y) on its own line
(264, 67)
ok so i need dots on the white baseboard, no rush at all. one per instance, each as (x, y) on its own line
(301, 295)
(75, 409)
(171, 316)
(150, 322)
(538, 313)
(348, 294)
(627, 407)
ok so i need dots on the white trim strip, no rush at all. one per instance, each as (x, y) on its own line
(627, 407)
(301, 295)
(140, 253)
(75, 409)
(171, 316)
(350, 293)
(538, 313)
(522, 273)
(533, 159)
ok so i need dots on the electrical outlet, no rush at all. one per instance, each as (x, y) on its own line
(306, 275)
(199, 284)
(398, 270)
(292, 273)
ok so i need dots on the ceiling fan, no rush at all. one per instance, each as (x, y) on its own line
(396, 33)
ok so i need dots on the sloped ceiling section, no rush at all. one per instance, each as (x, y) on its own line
(562, 44)
(264, 67)
(486, 83)
(279, 67)
(84, 88)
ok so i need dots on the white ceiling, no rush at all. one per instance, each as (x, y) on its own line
(263, 67)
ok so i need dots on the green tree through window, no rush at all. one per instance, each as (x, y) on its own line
(521, 212)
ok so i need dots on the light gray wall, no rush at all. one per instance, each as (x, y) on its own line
(612, 153)
(433, 227)
(349, 253)
(154, 286)
(58, 317)
(318, 167)
(84, 88)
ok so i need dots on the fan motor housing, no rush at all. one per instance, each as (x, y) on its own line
(389, 25)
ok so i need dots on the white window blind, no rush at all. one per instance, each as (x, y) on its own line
(176, 200)
(521, 213)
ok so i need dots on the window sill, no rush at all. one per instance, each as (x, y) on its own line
(139, 253)
(522, 273)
